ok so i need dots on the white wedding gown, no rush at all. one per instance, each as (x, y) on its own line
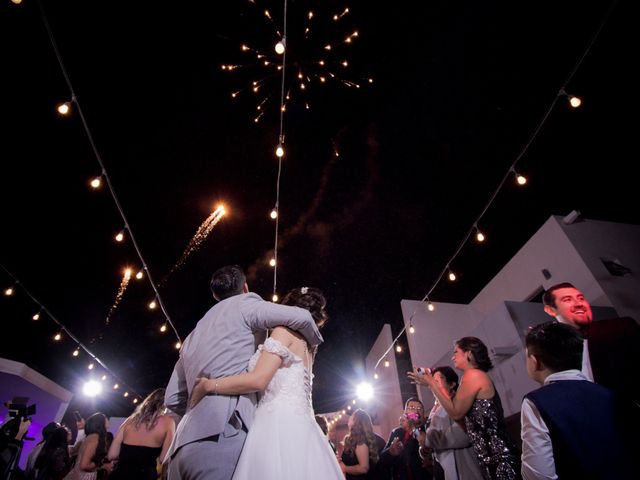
(285, 441)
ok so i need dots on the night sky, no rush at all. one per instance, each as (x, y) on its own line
(459, 90)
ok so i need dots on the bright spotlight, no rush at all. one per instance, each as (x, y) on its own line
(364, 391)
(92, 388)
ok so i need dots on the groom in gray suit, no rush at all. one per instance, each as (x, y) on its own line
(210, 436)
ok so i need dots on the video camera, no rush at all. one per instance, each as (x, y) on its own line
(18, 408)
(18, 411)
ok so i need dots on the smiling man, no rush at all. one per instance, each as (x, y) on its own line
(609, 345)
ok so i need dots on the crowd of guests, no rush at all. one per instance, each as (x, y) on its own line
(581, 423)
(135, 452)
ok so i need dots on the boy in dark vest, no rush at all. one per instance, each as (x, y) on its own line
(571, 427)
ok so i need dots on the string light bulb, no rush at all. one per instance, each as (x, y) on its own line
(574, 101)
(274, 213)
(9, 291)
(275, 298)
(451, 276)
(116, 386)
(399, 348)
(152, 305)
(91, 366)
(280, 46)
(520, 179)
(64, 108)
(412, 329)
(76, 352)
(479, 235)
(178, 345)
(140, 275)
(386, 363)
(376, 376)
(272, 262)
(57, 337)
(96, 182)
(280, 151)
(119, 236)
(430, 307)
(163, 328)
(104, 377)
(126, 394)
(135, 400)
(36, 316)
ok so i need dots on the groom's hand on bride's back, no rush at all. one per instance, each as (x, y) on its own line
(199, 391)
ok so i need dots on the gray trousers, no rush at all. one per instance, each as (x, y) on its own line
(213, 458)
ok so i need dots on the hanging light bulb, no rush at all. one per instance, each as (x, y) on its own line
(163, 328)
(119, 236)
(274, 213)
(135, 400)
(399, 348)
(116, 386)
(412, 329)
(480, 236)
(279, 151)
(91, 366)
(140, 274)
(37, 316)
(275, 298)
(452, 276)
(96, 182)
(152, 305)
(126, 394)
(64, 108)
(574, 101)
(520, 179)
(76, 352)
(57, 337)
(280, 46)
(104, 377)
(386, 363)
(178, 345)
(272, 262)
(430, 307)
(376, 376)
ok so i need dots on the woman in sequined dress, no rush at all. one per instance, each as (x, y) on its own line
(477, 403)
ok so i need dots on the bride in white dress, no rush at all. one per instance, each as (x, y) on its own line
(285, 441)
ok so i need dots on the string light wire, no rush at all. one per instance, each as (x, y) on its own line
(127, 227)
(280, 144)
(66, 331)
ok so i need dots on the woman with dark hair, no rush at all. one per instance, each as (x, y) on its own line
(142, 440)
(53, 462)
(360, 451)
(477, 403)
(93, 451)
(285, 441)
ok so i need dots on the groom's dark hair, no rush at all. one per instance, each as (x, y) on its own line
(227, 282)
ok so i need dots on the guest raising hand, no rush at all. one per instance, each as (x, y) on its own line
(477, 403)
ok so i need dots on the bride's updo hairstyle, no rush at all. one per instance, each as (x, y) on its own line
(311, 299)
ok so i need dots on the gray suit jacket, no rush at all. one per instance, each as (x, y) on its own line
(220, 346)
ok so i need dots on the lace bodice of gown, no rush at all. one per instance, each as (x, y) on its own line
(291, 384)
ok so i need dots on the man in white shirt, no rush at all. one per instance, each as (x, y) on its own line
(571, 427)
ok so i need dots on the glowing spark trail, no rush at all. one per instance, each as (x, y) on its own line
(203, 232)
(123, 286)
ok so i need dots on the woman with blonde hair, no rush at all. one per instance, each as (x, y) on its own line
(360, 452)
(142, 440)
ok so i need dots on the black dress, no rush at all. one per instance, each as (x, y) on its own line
(350, 459)
(136, 463)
